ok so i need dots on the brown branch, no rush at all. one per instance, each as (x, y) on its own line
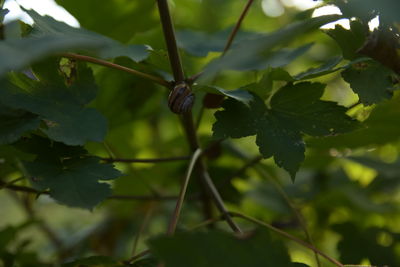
(177, 211)
(108, 64)
(187, 118)
(237, 26)
(230, 40)
(26, 189)
(170, 39)
(155, 160)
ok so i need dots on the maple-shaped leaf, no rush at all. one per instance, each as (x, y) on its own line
(69, 173)
(349, 40)
(295, 109)
(61, 107)
(371, 81)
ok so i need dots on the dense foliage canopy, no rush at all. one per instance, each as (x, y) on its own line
(291, 146)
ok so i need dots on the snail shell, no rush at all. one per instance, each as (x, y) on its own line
(181, 99)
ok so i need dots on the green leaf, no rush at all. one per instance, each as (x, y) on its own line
(252, 54)
(119, 20)
(368, 9)
(371, 81)
(71, 176)
(295, 109)
(264, 87)
(14, 123)
(50, 36)
(201, 249)
(106, 47)
(60, 107)
(240, 95)
(200, 43)
(384, 116)
(3, 13)
(259, 61)
(326, 68)
(358, 244)
(350, 41)
(300, 105)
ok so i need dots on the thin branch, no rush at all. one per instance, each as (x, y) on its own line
(175, 217)
(292, 206)
(6, 184)
(170, 39)
(230, 40)
(187, 118)
(108, 64)
(26, 189)
(289, 236)
(138, 256)
(278, 187)
(143, 197)
(155, 160)
(26, 204)
(354, 105)
(237, 26)
(143, 226)
(220, 203)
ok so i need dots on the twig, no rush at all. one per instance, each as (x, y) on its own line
(143, 226)
(291, 205)
(41, 224)
(220, 203)
(26, 189)
(187, 118)
(108, 64)
(143, 197)
(138, 256)
(278, 187)
(289, 236)
(175, 217)
(237, 26)
(230, 40)
(6, 184)
(155, 160)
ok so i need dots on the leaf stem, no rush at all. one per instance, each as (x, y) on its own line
(175, 217)
(108, 64)
(155, 160)
(289, 236)
(237, 26)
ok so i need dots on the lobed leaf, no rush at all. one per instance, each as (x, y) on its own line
(60, 107)
(71, 176)
(371, 82)
(295, 109)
